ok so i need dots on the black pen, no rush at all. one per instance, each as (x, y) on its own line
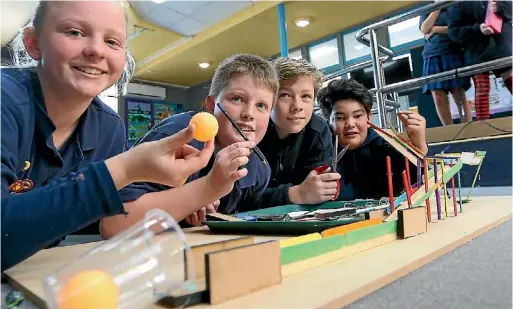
(259, 154)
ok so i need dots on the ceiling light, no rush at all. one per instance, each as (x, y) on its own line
(158, 1)
(204, 65)
(302, 22)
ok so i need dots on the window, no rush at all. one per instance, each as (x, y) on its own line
(405, 32)
(325, 55)
(296, 54)
(354, 50)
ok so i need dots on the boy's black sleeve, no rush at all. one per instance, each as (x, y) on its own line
(320, 153)
(276, 196)
(462, 28)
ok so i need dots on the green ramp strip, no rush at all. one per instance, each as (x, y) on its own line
(371, 232)
(310, 249)
(314, 248)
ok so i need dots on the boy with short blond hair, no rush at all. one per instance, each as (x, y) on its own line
(297, 140)
(246, 87)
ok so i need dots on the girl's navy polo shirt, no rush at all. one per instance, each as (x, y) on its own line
(246, 191)
(439, 43)
(72, 187)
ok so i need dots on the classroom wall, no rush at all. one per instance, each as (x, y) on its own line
(173, 95)
(197, 94)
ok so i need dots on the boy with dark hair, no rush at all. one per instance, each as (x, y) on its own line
(297, 140)
(347, 104)
(246, 87)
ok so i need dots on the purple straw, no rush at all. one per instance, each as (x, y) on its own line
(437, 193)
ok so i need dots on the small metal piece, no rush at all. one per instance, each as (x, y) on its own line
(342, 153)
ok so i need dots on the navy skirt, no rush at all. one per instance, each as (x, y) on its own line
(438, 64)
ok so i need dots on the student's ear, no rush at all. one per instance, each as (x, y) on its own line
(211, 104)
(30, 41)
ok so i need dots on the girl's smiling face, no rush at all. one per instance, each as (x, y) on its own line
(80, 46)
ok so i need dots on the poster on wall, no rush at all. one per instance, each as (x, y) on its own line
(500, 98)
(139, 120)
(162, 110)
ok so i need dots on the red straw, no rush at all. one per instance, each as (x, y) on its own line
(390, 185)
(407, 188)
(454, 194)
(426, 185)
(407, 163)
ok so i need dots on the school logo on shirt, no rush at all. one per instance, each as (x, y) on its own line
(21, 185)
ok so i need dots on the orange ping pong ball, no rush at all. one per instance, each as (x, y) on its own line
(206, 126)
(91, 289)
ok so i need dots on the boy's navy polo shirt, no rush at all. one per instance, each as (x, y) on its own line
(70, 190)
(245, 192)
(439, 43)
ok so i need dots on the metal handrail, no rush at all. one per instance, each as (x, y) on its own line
(354, 67)
(388, 53)
(399, 18)
(456, 73)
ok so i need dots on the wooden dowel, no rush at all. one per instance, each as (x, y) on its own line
(390, 184)
(426, 186)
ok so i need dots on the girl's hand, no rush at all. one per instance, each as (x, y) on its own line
(485, 29)
(168, 161)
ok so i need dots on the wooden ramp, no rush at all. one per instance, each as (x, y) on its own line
(332, 285)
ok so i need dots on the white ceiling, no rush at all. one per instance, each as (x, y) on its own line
(187, 17)
(14, 16)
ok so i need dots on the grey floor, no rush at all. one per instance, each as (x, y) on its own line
(476, 275)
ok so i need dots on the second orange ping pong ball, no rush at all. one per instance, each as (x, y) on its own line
(206, 126)
(91, 289)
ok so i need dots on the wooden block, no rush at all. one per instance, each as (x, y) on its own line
(344, 229)
(299, 240)
(376, 214)
(412, 221)
(236, 272)
(198, 252)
